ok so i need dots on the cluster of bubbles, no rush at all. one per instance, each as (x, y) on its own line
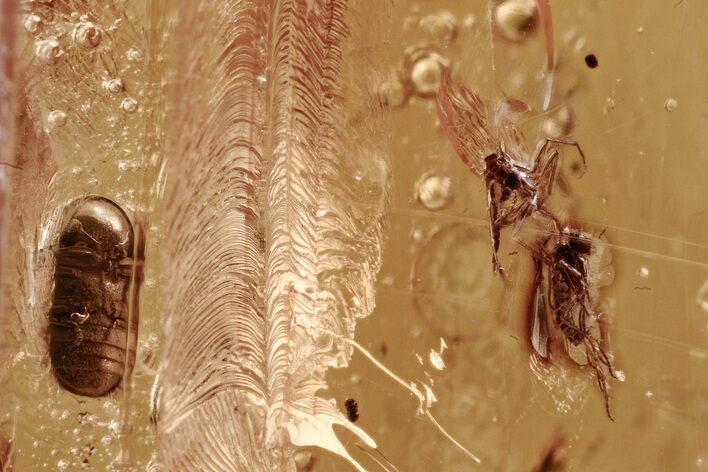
(53, 39)
(422, 68)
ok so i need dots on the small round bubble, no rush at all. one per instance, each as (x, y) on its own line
(670, 105)
(48, 51)
(88, 35)
(133, 55)
(391, 93)
(514, 19)
(434, 191)
(442, 27)
(702, 297)
(469, 21)
(559, 124)
(427, 76)
(56, 119)
(129, 105)
(33, 24)
(113, 85)
(303, 460)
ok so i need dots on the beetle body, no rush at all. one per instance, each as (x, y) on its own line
(352, 409)
(90, 340)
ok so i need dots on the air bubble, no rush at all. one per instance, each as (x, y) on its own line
(48, 51)
(427, 76)
(434, 191)
(702, 297)
(469, 21)
(453, 289)
(670, 105)
(56, 119)
(126, 166)
(417, 235)
(63, 464)
(644, 272)
(422, 71)
(514, 19)
(133, 55)
(391, 93)
(129, 105)
(304, 461)
(442, 27)
(113, 85)
(559, 124)
(33, 24)
(88, 35)
(106, 440)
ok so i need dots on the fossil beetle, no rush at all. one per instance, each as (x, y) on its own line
(90, 340)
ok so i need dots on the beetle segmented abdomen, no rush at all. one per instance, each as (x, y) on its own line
(88, 320)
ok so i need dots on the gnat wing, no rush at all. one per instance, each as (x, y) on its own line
(511, 138)
(538, 313)
(466, 118)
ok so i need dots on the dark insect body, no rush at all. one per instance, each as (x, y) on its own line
(591, 61)
(515, 189)
(551, 459)
(90, 342)
(352, 409)
(563, 308)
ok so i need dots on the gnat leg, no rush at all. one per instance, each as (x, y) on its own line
(494, 231)
(517, 228)
(567, 142)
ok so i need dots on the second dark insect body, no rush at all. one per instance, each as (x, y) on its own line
(563, 299)
(352, 409)
(89, 336)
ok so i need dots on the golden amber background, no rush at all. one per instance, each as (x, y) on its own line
(645, 185)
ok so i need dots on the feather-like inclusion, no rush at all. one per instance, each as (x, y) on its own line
(274, 235)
